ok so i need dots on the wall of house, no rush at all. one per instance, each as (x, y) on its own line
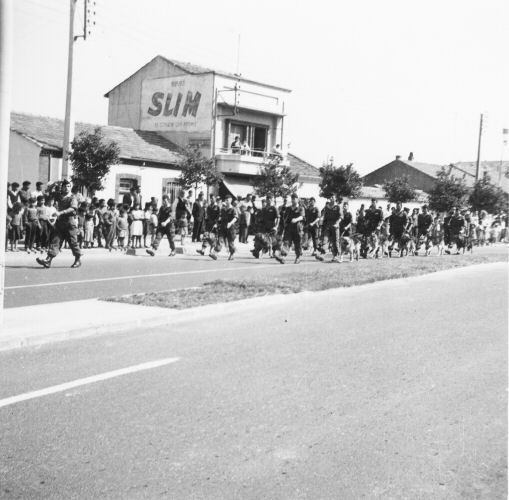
(151, 180)
(395, 169)
(23, 160)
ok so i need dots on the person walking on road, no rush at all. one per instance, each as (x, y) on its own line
(227, 228)
(295, 214)
(66, 229)
(165, 227)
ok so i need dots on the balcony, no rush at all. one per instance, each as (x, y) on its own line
(245, 162)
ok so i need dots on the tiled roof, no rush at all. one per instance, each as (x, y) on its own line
(134, 144)
(195, 69)
(430, 169)
(301, 167)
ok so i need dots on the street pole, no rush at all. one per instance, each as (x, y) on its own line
(68, 98)
(5, 120)
(477, 164)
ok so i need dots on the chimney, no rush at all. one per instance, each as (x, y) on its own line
(411, 156)
(398, 157)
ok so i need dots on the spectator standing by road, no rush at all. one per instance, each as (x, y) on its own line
(25, 194)
(110, 224)
(137, 217)
(31, 223)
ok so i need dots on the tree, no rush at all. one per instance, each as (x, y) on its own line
(400, 190)
(197, 170)
(91, 158)
(487, 196)
(342, 181)
(274, 179)
(447, 192)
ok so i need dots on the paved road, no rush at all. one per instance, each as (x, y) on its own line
(104, 275)
(392, 390)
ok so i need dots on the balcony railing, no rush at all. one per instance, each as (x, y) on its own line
(246, 162)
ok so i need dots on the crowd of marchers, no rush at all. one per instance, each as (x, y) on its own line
(45, 222)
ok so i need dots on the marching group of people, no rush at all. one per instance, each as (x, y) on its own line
(46, 222)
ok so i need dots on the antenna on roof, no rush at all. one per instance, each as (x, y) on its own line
(238, 56)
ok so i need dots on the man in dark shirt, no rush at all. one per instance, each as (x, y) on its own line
(25, 194)
(373, 217)
(330, 229)
(282, 216)
(210, 234)
(165, 227)
(227, 231)
(66, 229)
(456, 226)
(312, 222)
(267, 238)
(199, 217)
(346, 221)
(398, 221)
(269, 216)
(424, 222)
(295, 214)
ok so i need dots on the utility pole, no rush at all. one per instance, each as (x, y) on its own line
(68, 97)
(477, 164)
(5, 120)
(68, 123)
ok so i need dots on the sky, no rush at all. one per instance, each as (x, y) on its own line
(370, 79)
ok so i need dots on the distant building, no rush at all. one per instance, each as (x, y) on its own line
(422, 176)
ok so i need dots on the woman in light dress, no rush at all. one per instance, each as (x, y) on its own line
(137, 217)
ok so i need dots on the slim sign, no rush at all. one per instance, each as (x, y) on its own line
(179, 104)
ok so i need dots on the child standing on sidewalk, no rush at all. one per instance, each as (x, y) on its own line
(153, 224)
(89, 227)
(31, 225)
(146, 222)
(15, 233)
(122, 228)
(136, 226)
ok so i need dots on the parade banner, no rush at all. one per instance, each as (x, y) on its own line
(177, 104)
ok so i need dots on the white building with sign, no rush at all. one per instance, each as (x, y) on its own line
(160, 109)
(192, 105)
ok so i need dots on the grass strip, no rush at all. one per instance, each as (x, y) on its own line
(322, 277)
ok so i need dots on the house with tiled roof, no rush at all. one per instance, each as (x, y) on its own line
(422, 175)
(146, 159)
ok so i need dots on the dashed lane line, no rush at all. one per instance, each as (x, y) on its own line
(138, 276)
(85, 381)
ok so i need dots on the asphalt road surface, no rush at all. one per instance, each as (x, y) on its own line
(105, 275)
(391, 390)
(26, 283)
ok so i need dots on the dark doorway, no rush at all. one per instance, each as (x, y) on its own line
(259, 141)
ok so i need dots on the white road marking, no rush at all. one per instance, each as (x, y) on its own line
(84, 381)
(137, 276)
